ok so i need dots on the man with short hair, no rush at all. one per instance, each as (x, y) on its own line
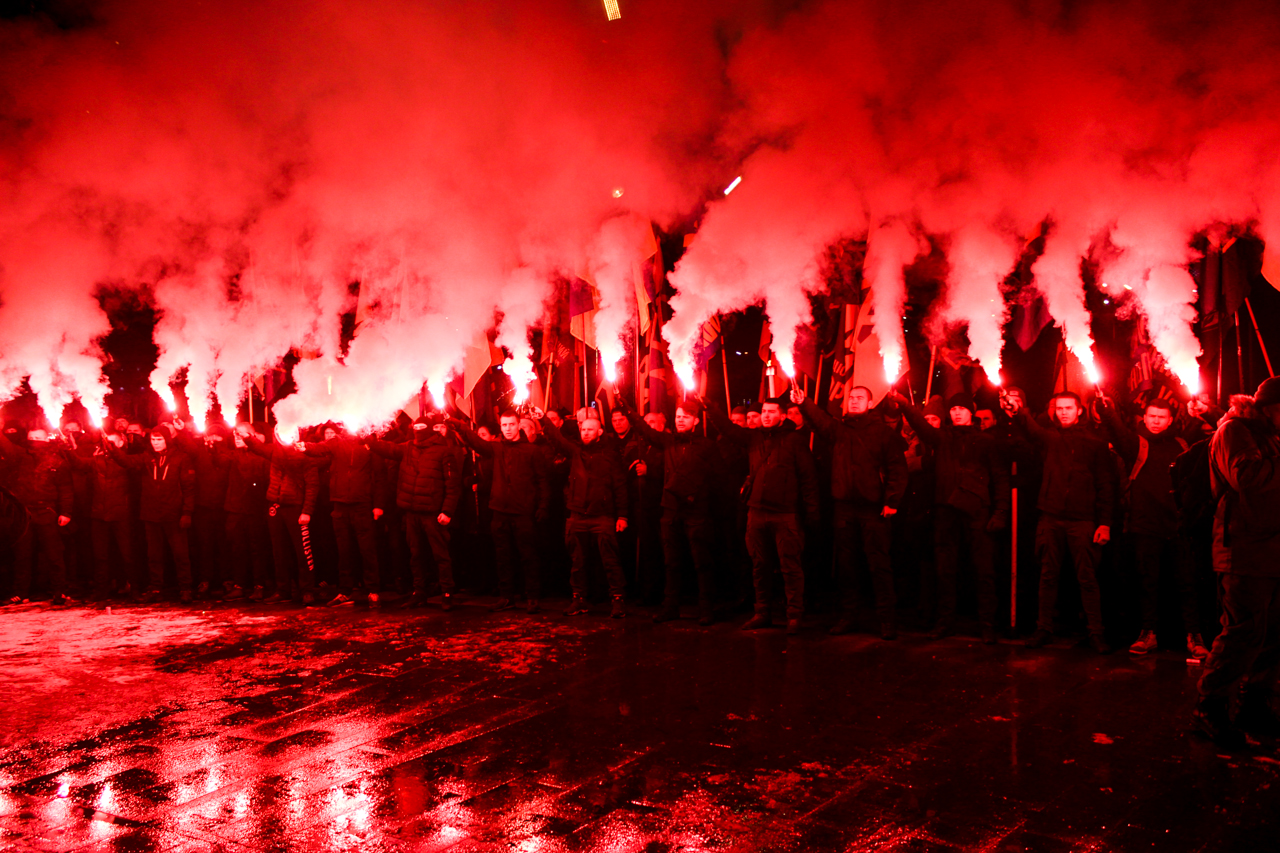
(597, 501)
(1077, 503)
(971, 501)
(782, 495)
(428, 489)
(38, 477)
(690, 464)
(354, 513)
(1245, 471)
(1148, 453)
(985, 417)
(868, 481)
(168, 498)
(518, 498)
(739, 416)
(753, 416)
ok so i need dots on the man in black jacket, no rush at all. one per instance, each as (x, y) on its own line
(518, 498)
(971, 498)
(1245, 472)
(108, 514)
(351, 491)
(208, 522)
(868, 481)
(249, 543)
(1148, 453)
(428, 488)
(38, 476)
(167, 500)
(782, 490)
(597, 502)
(691, 463)
(293, 488)
(1077, 506)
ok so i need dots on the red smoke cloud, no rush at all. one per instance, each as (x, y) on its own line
(249, 162)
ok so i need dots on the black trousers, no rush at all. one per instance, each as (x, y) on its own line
(353, 527)
(515, 541)
(775, 542)
(103, 533)
(294, 569)
(45, 540)
(1150, 554)
(1055, 537)
(953, 530)
(678, 529)
(1247, 651)
(424, 532)
(162, 534)
(208, 528)
(250, 547)
(864, 532)
(584, 534)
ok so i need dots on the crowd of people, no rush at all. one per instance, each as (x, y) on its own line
(876, 506)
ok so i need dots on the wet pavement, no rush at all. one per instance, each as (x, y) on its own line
(283, 729)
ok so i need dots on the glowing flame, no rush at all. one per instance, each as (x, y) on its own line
(610, 370)
(166, 394)
(1188, 373)
(1091, 370)
(892, 364)
(684, 371)
(435, 387)
(288, 434)
(520, 369)
(787, 362)
(610, 354)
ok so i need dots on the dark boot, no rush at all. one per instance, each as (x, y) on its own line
(1212, 718)
(1039, 639)
(619, 609)
(1256, 715)
(760, 620)
(576, 607)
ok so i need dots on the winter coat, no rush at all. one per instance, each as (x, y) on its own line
(350, 469)
(40, 478)
(691, 468)
(430, 479)
(168, 482)
(521, 480)
(248, 476)
(108, 485)
(597, 485)
(969, 469)
(1078, 482)
(294, 478)
(782, 478)
(868, 458)
(1153, 511)
(1244, 460)
(211, 478)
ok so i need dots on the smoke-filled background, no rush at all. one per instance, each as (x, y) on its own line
(258, 171)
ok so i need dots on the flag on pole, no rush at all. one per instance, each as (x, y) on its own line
(583, 303)
(648, 281)
(708, 343)
(480, 356)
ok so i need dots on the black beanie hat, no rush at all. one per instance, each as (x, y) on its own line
(960, 401)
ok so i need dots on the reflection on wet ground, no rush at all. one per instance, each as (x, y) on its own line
(273, 729)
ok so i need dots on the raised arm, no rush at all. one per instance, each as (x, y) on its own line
(653, 436)
(1124, 438)
(469, 438)
(727, 428)
(386, 449)
(928, 433)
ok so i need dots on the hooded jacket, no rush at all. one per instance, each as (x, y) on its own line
(1078, 479)
(293, 479)
(1153, 511)
(782, 478)
(39, 478)
(521, 479)
(691, 466)
(1244, 457)
(211, 478)
(108, 484)
(430, 478)
(868, 458)
(597, 485)
(969, 470)
(168, 482)
(351, 469)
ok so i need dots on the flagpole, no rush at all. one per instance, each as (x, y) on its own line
(1265, 357)
(928, 385)
(817, 382)
(724, 363)
(1239, 352)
